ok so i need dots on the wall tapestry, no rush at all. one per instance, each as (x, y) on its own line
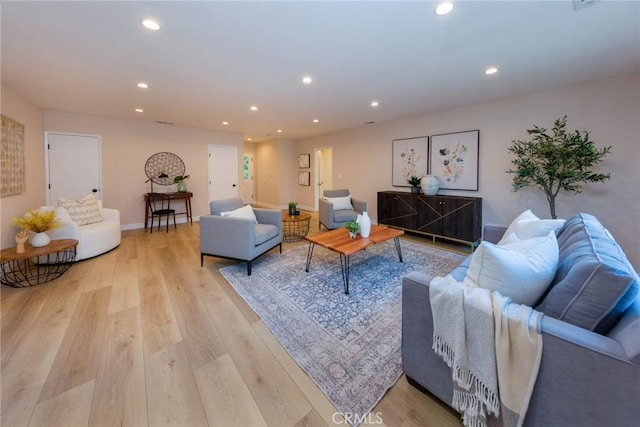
(454, 160)
(12, 164)
(409, 159)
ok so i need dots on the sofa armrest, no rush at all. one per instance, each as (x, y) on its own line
(359, 206)
(227, 236)
(269, 216)
(111, 214)
(493, 233)
(325, 212)
(68, 230)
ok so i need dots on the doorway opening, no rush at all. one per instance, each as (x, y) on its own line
(323, 158)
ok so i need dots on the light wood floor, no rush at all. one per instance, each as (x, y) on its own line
(143, 335)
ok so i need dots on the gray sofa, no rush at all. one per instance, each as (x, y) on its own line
(590, 369)
(239, 238)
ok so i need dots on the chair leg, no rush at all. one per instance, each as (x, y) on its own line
(151, 229)
(201, 260)
(249, 268)
(174, 221)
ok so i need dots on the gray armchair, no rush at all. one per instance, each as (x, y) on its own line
(239, 238)
(335, 218)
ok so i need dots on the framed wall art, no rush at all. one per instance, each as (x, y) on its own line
(304, 178)
(454, 160)
(409, 159)
(304, 161)
(13, 162)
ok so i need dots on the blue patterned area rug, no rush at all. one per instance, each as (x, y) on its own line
(348, 344)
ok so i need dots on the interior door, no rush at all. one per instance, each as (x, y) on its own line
(223, 172)
(73, 166)
(323, 172)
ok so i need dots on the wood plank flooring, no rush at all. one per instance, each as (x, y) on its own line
(143, 336)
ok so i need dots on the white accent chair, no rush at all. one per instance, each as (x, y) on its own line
(93, 239)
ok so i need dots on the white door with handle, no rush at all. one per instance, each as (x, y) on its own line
(73, 166)
(223, 172)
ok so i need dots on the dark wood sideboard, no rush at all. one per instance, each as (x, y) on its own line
(455, 218)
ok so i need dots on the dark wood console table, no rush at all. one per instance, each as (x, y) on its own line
(186, 196)
(455, 218)
(36, 265)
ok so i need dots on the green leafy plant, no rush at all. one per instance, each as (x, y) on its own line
(37, 221)
(556, 160)
(179, 178)
(352, 226)
(414, 181)
(292, 205)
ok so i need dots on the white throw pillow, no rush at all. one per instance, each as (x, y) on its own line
(527, 225)
(83, 211)
(520, 270)
(340, 203)
(244, 212)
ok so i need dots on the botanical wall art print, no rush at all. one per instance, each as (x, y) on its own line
(12, 167)
(304, 178)
(454, 160)
(410, 157)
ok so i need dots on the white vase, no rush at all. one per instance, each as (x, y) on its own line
(39, 240)
(430, 185)
(365, 225)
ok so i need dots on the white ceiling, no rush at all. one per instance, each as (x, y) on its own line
(212, 60)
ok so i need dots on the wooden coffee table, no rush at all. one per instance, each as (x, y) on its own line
(338, 240)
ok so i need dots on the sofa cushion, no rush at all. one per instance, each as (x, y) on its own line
(245, 212)
(344, 216)
(594, 283)
(83, 211)
(521, 270)
(340, 203)
(528, 225)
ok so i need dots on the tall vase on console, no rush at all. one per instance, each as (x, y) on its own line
(365, 224)
(430, 185)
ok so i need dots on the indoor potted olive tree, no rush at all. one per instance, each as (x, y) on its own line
(556, 160)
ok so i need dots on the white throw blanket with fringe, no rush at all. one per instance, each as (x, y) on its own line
(493, 347)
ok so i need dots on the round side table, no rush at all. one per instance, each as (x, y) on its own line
(36, 265)
(295, 227)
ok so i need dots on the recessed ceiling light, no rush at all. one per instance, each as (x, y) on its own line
(444, 8)
(491, 70)
(139, 110)
(307, 80)
(253, 108)
(374, 103)
(225, 123)
(143, 85)
(249, 139)
(151, 24)
(315, 120)
(279, 131)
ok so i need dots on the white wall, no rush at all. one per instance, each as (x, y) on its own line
(609, 109)
(276, 178)
(24, 111)
(126, 146)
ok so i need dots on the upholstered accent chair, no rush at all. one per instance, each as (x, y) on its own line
(237, 231)
(338, 207)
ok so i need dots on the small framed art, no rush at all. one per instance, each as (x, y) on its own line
(454, 160)
(304, 178)
(304, 161)
(409, 159)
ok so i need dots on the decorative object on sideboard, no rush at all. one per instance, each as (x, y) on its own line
(353, 228)
(409, 158)
(430, 185)
(38, 222)
(180, 180)
(558, 161)
(162, 168)
(415, 184)
(21, 238)
(292, 209)
(454, 160)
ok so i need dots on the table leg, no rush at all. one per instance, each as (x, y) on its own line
(188, 206)
(344, 266)
(396, 240)
(309, 255)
